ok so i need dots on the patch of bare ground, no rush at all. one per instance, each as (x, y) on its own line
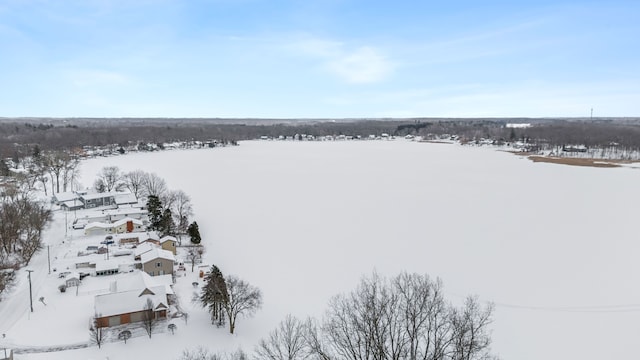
(602, 163)
(437, 142)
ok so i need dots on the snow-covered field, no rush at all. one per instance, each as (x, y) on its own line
(554, 247)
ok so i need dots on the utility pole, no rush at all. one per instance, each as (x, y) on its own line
(49, 258)
(591, 113)
(30, 293)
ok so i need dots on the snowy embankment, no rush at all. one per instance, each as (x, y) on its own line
(554, 247)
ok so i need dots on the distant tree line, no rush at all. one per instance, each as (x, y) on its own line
(19, 136)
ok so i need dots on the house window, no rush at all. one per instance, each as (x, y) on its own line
(158, 264)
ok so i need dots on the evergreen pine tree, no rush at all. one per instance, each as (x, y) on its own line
(166, 225)
(154, 205)
(215, 295)
(194, 233)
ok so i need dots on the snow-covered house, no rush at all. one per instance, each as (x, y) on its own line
(169, 243)
(126, 225)
(157, 262)
(151, 237)
(62, 197)
(143, 248)
(125, 198)
(98, 199)
(71, 205)
(97, 228)
(127, 307)
(72, 279)
(126, 212)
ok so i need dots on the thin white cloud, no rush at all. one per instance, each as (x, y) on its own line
(358, 65)
(93, 78)
(362, 65)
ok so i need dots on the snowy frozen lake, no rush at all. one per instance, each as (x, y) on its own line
(554, 247)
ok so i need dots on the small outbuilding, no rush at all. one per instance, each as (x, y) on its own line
(72, 279)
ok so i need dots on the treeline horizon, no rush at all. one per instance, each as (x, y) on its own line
(18, 136)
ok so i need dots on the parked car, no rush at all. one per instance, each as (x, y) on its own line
(64, 274)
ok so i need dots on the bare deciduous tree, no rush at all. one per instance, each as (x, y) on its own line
(243, 299)
(22, 221)
(149, 321)
(286, 342)
(201, 353)
(109, 179)
(154, 185)
(181, 210)
(96, 332)
(402, 318)
(194, 254)
(134, 181)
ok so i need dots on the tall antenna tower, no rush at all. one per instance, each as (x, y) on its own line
(591, 113)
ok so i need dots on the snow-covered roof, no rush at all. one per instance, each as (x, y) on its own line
(72, 203)
(66, 196)
(112, 264)
(140, 280)
(125, 210)
(98, 225)
(98, 195)
(156, 254)
(125, 220)
(168, 238)
(73, 275)
(125, 198)
(115, 224)
(129, 301)
(144, 248)
(150, 235)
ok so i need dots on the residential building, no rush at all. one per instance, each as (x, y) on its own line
(157, 262)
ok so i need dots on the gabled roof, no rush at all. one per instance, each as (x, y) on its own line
(73, 275)
(125, 198)
(129, 301)
(98, 195)
(126, 220)
(98, 225)
(167, 238)
(66, 196)
(143, 248)
(156, 254)
(141, 280)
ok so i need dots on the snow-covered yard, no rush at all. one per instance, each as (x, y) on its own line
(554, 247)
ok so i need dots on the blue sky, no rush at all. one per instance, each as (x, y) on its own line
(319, 59)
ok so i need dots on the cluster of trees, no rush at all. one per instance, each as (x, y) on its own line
(22, 220)
(51, 171)
(405, 317)
(228, 297)
(169, 210)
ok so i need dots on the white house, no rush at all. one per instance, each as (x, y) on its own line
(72, 279)
(126, 225)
